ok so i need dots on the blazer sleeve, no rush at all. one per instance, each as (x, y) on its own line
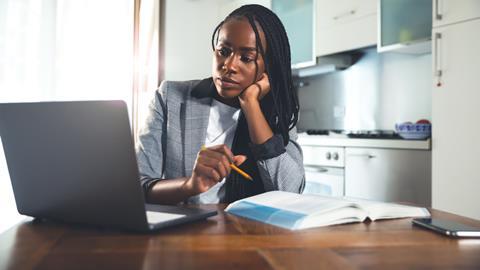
(152, 139)
(280, 167)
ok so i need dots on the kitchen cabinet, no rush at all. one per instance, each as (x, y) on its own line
(455, 108)
(345, 25)
(452, 11)
(390, 175)
(298, 19)
(324, 172)
(405, 26)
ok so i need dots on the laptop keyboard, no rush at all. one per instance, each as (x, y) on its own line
(157, 217)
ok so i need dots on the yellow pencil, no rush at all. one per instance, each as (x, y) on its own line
(242, 173)
(235, 168)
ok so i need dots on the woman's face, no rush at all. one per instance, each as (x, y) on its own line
(234, 57)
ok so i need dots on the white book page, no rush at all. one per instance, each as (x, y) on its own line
(304, 204)
(339, 216)
(382, 210)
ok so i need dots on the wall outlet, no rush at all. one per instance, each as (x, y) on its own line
(339, 111)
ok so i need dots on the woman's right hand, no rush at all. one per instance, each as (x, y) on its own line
(211, 166)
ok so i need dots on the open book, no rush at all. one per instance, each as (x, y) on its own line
(300, 211)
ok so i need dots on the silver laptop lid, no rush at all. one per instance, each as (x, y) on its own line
(73, 161)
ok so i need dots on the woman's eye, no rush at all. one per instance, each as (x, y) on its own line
(225, 52)
(246, 59)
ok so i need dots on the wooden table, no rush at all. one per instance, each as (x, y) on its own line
(229, 242)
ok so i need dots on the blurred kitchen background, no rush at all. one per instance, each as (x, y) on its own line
(375, 93)
(361, 67)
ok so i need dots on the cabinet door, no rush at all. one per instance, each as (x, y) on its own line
(452, 11)
(401, 33)
(388, 175)
(344, 25)
(298, 19)
(455, 124)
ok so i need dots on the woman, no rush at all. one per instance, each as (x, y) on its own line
(244, 114)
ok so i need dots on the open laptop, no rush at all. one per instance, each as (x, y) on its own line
(75, 162)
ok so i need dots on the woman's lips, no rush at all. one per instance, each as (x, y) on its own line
(227, 83)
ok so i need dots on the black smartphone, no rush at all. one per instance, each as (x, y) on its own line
(447, 227)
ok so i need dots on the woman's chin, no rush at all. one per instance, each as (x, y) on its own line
(229, 97)
(229, 93)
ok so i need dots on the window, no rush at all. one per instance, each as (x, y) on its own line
(62, 50)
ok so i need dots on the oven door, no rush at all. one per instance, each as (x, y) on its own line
(324, 180)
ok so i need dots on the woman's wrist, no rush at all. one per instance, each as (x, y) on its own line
(187, 188)
(249, 105)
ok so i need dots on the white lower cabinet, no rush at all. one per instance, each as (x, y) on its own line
(389, 175)
(324, 173)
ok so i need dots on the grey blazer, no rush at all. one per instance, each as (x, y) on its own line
(176, 129)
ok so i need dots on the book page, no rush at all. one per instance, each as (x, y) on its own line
(300, 203)
(339, 216)
(383, 210)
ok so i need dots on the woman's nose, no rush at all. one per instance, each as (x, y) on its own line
(230, 63)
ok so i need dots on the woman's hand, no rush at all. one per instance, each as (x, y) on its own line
(256, 91)
(211, 166)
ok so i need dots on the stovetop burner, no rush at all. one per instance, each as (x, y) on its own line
(358, 134)
(324, 131)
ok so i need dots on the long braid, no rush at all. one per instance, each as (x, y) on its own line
(280, 106)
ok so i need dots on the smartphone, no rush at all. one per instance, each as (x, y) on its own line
(447, 227)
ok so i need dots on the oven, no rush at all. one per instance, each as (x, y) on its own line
(324, 170)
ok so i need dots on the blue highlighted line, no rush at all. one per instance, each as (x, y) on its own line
(274, 216)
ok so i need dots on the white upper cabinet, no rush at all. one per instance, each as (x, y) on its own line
(344, 25)
(453, 11)
(405, 26)
(298, 18)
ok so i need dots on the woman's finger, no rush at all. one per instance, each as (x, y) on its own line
(222, 166)
(238, 160)
(208, 172)
(264, 85)
(223, 150)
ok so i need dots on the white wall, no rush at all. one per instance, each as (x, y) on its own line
(377, 92)
(188, 33)
(48, 51)
(189, 26)
(406, 88)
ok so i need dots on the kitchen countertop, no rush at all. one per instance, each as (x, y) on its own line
(341, 140)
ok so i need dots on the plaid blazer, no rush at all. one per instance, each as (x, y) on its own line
(176, 128)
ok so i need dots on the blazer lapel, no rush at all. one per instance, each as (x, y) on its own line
(197, 112)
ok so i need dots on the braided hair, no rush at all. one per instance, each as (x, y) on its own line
(280, 106)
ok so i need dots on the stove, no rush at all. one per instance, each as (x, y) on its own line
(324, 131)
(358, 134)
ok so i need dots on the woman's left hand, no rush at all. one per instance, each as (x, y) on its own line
(256, 91)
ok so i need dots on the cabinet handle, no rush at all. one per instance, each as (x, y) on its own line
(436, 58)
(438, 16)
(315, 168)
(362, 156)
(346, 14)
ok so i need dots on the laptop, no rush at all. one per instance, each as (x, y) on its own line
(75, 162)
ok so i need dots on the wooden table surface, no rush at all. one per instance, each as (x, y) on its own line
(229, 242)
